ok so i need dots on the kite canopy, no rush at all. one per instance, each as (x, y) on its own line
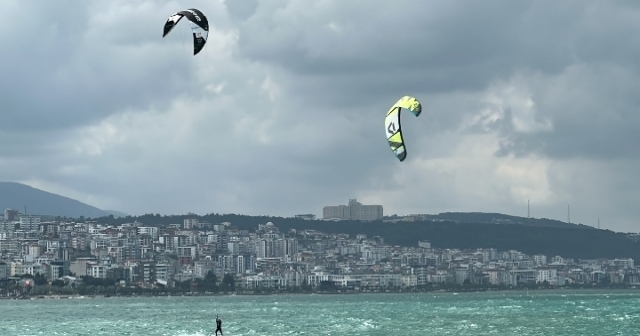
(199, 26)
(392, 124)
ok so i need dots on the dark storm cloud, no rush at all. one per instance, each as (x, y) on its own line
(430, 45)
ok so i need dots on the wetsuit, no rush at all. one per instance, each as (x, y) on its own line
(218, 326)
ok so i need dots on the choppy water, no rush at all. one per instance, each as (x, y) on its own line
(502, 313)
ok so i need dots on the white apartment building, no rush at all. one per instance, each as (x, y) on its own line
(625, 263)
(284, 248)
(315, 278)
(549, 275)
(19, 269)
(409, 280)
(34, 250)
(164, 271)
(29, 223)
(191, 223)
(148, 230)
(353, 211)
(79, 267)
(233, 247)
(381, 280)
(7, 226)
(187, 251)
(97, 271)
(540, 259)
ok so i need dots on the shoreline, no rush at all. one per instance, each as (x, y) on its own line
(440, 291)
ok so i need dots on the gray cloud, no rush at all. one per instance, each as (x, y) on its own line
(241, 10)
(78, 63)
(282, 111)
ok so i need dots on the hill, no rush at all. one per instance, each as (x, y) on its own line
(568, 242)
(498, 218)
(39, 202)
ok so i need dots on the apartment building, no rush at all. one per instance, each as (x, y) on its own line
(353, 211)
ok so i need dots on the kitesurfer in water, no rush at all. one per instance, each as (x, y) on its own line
(218, 325)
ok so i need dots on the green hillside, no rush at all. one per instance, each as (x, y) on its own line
(567, 242)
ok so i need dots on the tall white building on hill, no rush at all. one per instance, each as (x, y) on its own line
(354, 211)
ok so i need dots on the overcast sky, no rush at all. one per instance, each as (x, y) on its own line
(282, 112)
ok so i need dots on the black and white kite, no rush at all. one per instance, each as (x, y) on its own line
(199, 26)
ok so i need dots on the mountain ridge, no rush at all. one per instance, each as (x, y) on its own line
(498, 218)
(569, 242)
(15, 195)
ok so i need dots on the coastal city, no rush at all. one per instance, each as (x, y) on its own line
(220, 167)
(65, 254)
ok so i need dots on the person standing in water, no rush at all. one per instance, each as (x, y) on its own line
(218, 325)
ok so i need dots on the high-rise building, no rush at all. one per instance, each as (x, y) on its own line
(354, 211)
(29, 223)
(190, 223)
(10, 214)
(7, 226)
(264, 248)
(149, 230)
(283, 248)
(5, 271)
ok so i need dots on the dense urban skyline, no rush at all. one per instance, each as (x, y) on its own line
(65, 257)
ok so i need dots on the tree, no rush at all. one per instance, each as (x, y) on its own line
(208, 284)
(40, 280)
(228, 283)
(58, 283)
(327, 286)
(210, 277)
(91, 281)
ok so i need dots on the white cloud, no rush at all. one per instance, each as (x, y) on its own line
(513, 100)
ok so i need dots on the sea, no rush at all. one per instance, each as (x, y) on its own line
(520, 313)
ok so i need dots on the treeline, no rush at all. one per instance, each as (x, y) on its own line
(101, 286)
(484, 217)
(550, 241)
